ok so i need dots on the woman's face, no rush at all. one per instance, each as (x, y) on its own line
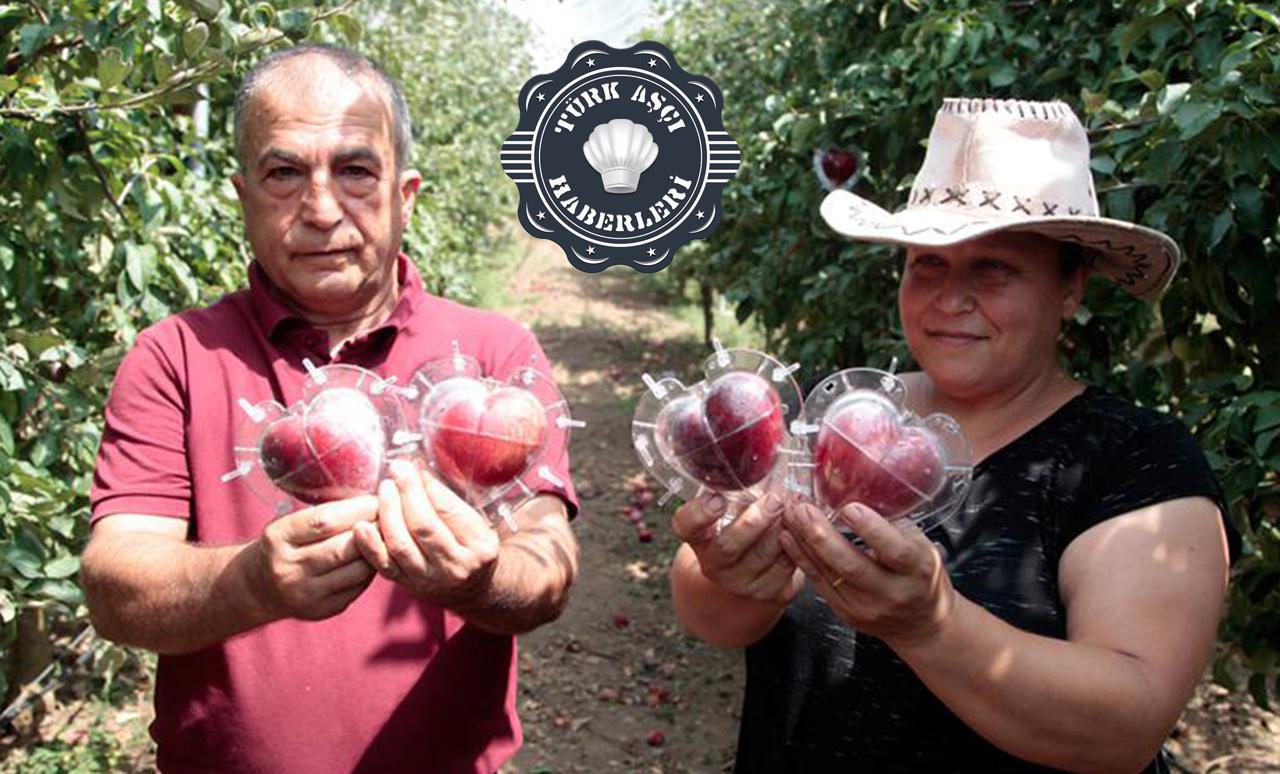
(982, 317)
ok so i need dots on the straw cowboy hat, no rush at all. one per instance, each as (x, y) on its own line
(1009, 165)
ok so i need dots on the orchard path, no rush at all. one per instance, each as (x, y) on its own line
(616, 667)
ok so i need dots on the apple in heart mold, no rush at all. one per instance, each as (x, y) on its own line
(330, 450)
(481, 438)
(864, 454)
(729, 439)
(835, 166)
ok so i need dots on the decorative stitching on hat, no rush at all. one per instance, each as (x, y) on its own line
(955, 195)
(1021, 206)
(926, 196)
(1043, 110)
(1049, 209)
(989, 199)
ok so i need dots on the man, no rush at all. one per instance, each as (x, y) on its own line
(373, 634)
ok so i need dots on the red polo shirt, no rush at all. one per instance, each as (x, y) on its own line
(389, 685)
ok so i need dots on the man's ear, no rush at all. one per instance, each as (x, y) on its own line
(410, 182)
(237, 181)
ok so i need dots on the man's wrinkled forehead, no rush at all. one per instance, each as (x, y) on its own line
(313, 94)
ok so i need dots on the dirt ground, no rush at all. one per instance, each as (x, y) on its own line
(615, 685)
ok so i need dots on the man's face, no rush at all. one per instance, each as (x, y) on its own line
(324, 205)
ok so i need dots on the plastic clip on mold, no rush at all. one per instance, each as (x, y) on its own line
(722, 355)
(657, 389)
(255, 414)
(318, 376)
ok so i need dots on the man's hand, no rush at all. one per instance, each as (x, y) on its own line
(744, 558)
(306, 564)
(429, 540)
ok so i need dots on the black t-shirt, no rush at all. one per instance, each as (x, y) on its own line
(820, 698)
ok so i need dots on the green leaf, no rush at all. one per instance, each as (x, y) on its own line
(194, 37)
(8, 84)
(1170, 96)
(112, 68)
(58, 589)
(347, 26)
(7, 610)
(6, 438)
(295, 22)
(140, 264)
(24, 561)
(1221, 225)
(1152, 79)
(207, 10)
(1267, 418)
(1193, 116)
(1003, 75)
(31, 37)
(10, 377)
(62, 567)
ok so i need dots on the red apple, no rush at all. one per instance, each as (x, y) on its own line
(331, 450)
(835, 166)
(481, 438)
(864, 454)
(730, 439)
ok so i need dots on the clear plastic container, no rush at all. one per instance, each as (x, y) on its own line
(726, 433)
(332, 444)
(864, 446)
(493, 442)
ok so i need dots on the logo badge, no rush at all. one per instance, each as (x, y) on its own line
(620, 156)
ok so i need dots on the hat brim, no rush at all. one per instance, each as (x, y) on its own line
(1140, 260)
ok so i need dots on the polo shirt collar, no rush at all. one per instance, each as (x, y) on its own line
(273, 315)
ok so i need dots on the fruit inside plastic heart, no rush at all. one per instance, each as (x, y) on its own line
(865, 453)
(328, 449)
(726, 435)
(482, 435)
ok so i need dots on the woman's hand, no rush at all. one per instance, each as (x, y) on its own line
(745, 557)
(896, 588)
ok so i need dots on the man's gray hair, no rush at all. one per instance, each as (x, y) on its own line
(352, 64)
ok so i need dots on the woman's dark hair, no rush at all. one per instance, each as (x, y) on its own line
(1071, 257)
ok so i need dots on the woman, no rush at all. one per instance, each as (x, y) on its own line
(1062, 618)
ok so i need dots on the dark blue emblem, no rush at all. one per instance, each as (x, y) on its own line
(620, 156)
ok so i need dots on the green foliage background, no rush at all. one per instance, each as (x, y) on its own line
(1182, 104)
(115, 212)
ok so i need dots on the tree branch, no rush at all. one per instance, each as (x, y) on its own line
(98, 170)
(14, 61)
(184, 79)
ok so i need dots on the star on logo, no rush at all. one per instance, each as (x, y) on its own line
(542, 97)
(699, 97)
(698, 214)
(652, 252)
(591, 62)
(653, 62)
(541, 215)
(591, 251)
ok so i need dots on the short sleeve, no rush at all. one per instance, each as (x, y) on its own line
(142, 461)
(1157, 463)
(524, 350)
